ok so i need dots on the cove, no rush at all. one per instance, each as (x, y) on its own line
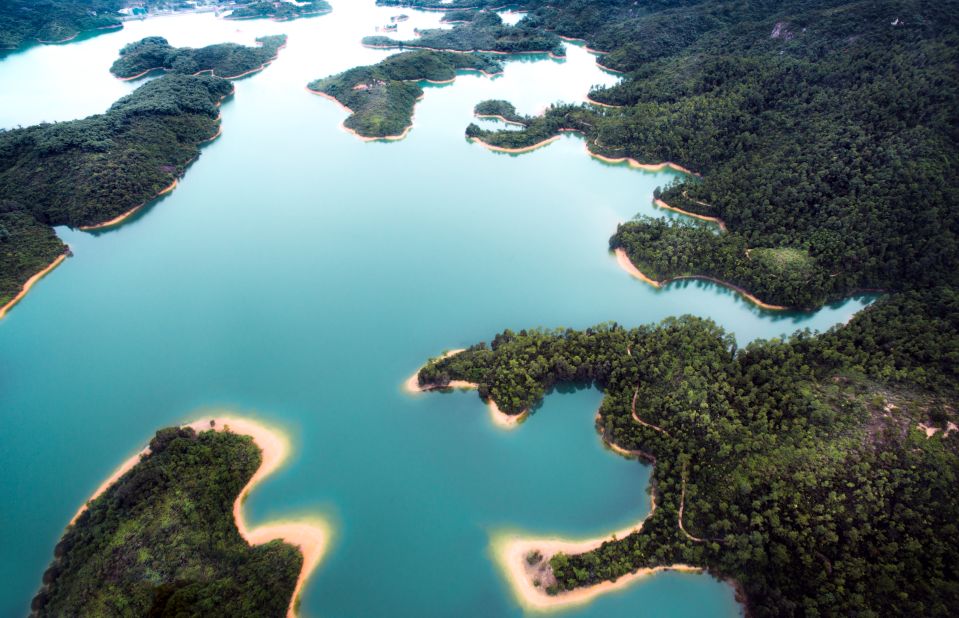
(299, 275)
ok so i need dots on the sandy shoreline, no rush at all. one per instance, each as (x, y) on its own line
(509, 551)
(353, 132)
(211, 71)
(598, 104)
(650, 167)
(716, 220)
(497, 416)
(311, 536)
(626, 264)
(500, 118)
(126, 215)
(29, 283)
(531, 148)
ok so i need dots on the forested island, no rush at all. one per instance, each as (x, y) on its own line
(83, 173)
(54, 21)
(796, 468)
(279, 11)
(381, 97)
(162, 539)
(226, 60)
(822, 131)
(501, 110)
(484, 32)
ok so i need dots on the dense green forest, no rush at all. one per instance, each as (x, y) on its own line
(280, 11)
(796, 465)
(665, 249)
(85, 172)
(24, 21)
(501, 109)
(822, 127)
(162, 540)
(484, 32)
(225, 60)
(382, 96)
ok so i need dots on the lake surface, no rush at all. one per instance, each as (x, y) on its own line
(299, 275)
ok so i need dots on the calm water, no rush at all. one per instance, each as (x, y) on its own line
(300, 275)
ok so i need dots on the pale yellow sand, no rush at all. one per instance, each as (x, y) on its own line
(497, 416)
(29, 283)
(716, 220)
(624, 262)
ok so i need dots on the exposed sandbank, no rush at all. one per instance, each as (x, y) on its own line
(716, 220)
(311, 535)
(126, 215)
(29, 283)
(598, 104)
(535, 146)
(626, 264)
(650, 167)
(498, 417)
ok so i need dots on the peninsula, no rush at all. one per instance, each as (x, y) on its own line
(145, 540)
(796, 468)
(226, 60)
(82, 173)
(382, 96)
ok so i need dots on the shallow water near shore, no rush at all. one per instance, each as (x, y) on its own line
(299, 275)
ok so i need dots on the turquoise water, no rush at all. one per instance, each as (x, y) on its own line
(300, 276)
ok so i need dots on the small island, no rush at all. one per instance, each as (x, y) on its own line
(484, 32)
(381, 97)
(500, 110)
(804, 471)
(279, 11)
(98, 170)
(226, 60)
(165, 535)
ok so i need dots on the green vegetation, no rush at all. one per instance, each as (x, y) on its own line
(50, 21)
(26, 248)
(501, 109)
(822, 126)
(794, 467)
(459, 16)
(484, 32)
(85, 172)
(666, 249)
(162, 541)
(225, 60)
(382, 96)
(279, 11)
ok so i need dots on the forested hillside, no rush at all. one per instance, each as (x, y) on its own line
(162, 541)
(227, 60)
(795, 467)
(85, 172)
(51, 21)
(821, 127)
